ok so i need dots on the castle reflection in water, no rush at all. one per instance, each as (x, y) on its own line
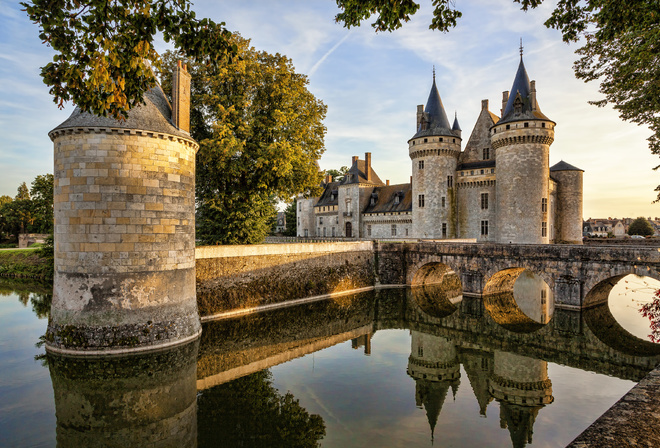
(216, 389)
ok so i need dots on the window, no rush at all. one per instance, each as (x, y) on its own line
(333, 231)
(484, 228)
(544, 205)
(441, 139)
(306, 233)
(471, 172)
(426, 140)
(396, 199)
(542, 125)
(526, 125)
(450, 181)
(300, 206)
(406, 231)
(324, 231)
(420, 164)
(482, 171)
(462, 173)
(443, 202)
(320, 220)
(508, 126)
(484, 201)
(373, 201)
(393, 229)
(369, 230)
(420, 351)
(544, 229)
(486, 153)
(444, 230)
(492, 171)
(420, 201)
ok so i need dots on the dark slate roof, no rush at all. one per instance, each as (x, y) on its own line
(435, 116)
(155, 115)
(327, 196)
(474, 165)
(455, 126)
(385, 199)
(521, 86)
(357, 174)
(563, 166)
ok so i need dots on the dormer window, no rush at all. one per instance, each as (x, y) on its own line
(396, 198)
(518, 104)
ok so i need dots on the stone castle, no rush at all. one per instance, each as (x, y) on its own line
(499, 188)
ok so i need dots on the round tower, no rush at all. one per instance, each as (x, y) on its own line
(568, 217)
(521, 140)
(434, 151)
(124, 204)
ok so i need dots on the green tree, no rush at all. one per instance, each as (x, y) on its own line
(640, 226)
(4, 224)
(104, 49)
(260, 132)
(291, 219)
(20, 212)
(621, 46)
(42, 203)
(337, 175)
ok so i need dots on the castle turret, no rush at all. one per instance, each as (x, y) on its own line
(434, 150)
(568, 220)
(124, 204)
(522, 139)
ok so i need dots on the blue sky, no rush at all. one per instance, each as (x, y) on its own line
(371, 84)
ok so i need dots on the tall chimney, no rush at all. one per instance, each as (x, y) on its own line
(420, 112)
(353, 160)
(367, 162)
(181, 97)
(484, 104)
(387, 182)
(505, 99)
(533, 94)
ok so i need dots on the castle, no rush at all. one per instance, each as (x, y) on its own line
(499, 188)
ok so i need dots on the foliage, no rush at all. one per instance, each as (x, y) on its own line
(621, 49)
(104, 50)
(291, 219)
(337, 175)
(47, 254)
(652, 311)
(42, 203)
(250, 412)
(31, 210)
(4, 223)
(260, 132)
(640, 226)
(24, 263)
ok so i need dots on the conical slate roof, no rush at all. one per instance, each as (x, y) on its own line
(435, 116)
(522, 90)
(455, 126)
(155, 115)
(563, 166)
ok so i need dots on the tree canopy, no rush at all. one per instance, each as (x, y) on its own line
(621, 46)
(260, 132)
(104, 50)
(640, 226)
(31, 210)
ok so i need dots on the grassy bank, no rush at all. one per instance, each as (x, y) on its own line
(24, 263)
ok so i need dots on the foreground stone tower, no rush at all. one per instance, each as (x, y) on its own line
(569, 202)
(124, 205)
(434, 150)
(522, 139)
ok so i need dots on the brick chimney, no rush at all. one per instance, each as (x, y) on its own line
(181, 97)
(533, 95)
(387, 182)
(353, 160)
(505, 99)
(367, 162)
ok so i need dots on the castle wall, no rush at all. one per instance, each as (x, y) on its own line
(522, 181)
(124, 240)
(469, 205)
(380, 226)
(569, 206)
(305, 216)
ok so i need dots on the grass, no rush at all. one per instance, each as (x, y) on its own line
(24, 263)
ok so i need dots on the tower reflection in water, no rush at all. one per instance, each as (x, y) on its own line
(130, 401)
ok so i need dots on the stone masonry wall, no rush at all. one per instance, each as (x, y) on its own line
(238, 277)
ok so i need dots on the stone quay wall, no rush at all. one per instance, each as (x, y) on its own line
(243, 277)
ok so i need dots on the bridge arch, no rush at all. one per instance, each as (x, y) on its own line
(428, 271)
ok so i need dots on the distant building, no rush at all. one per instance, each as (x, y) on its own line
(499, 188)
(280, 224)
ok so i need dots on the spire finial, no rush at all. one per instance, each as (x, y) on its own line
(521, 48)
(433, 72)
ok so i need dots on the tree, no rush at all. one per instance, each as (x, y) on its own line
(291, 219)
(104, 50)
(4, 225)
(640, 226)
(337, 175)
(260, 132)
(622, 47)
(42, 203)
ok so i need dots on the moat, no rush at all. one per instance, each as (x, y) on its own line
(391, 367)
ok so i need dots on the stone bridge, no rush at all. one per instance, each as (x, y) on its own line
(579, 276)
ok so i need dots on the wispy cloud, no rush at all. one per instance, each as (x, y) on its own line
(328, 53)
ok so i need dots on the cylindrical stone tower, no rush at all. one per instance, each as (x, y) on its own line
(434, 151)
(522, 139)
(124, 205)
(569, 203)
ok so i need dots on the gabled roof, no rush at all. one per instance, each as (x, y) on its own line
(357, 174)
(521, 91)
(327, 197)
(385, 199)
(155, 115)
(563, 166)
(435, 116)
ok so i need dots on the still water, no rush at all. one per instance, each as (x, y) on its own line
(401, 367)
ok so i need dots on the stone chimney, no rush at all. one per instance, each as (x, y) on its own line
(484, 104)
(505, 99)
(533, 95)
(181, 97)
(328, 178)
(367, 168)
(387, 182)
(420, 113)
(353, 160)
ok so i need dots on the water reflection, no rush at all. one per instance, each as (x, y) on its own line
(132, 401)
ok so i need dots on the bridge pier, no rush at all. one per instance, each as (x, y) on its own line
(568, 293)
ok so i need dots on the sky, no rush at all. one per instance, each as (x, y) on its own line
(372, 83)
